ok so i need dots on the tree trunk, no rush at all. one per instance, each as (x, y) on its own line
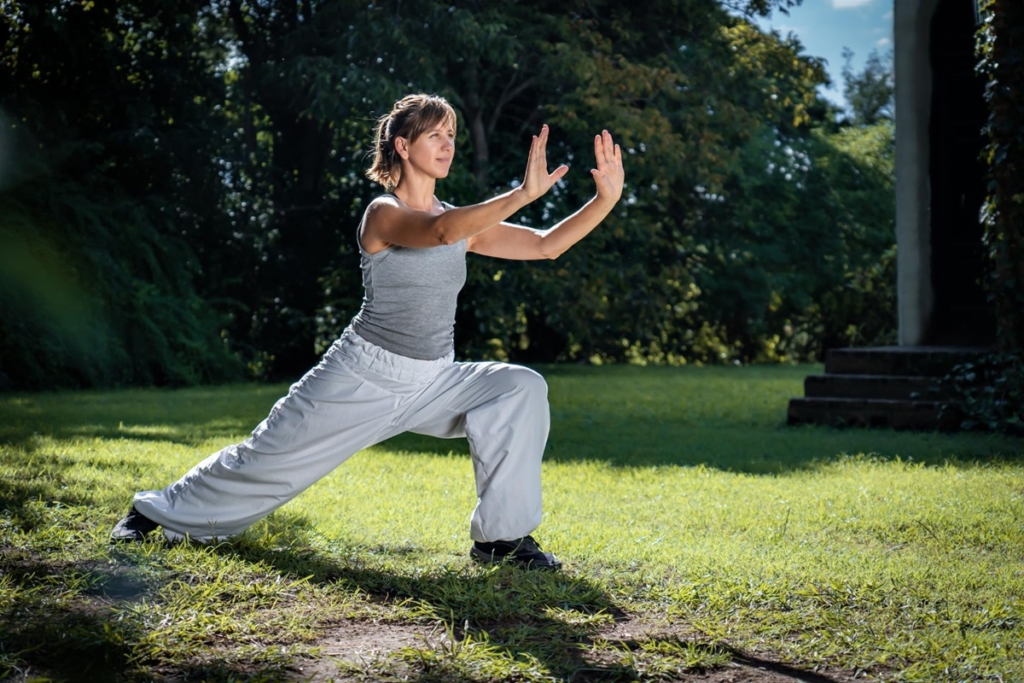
(477, 129)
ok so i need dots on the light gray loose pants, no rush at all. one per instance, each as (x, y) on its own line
(359, 395)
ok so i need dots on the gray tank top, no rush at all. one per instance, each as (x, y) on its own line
(410, 296)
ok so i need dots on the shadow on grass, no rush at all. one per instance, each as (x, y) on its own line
(65, 639)
(555, 618)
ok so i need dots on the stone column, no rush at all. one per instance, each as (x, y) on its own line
(912, 27)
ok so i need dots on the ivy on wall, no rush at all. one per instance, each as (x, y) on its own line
(989, 393)
(1000, 45)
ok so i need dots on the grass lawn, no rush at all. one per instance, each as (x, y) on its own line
(703, 540)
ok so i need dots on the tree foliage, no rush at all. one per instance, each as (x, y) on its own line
(871, 92)
(106, 108)
(989, 394)
(194, 186)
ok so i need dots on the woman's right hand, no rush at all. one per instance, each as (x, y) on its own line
(537, 180)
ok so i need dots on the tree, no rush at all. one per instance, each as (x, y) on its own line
(210, 160)
(871, 93)
(106, 104)
(682, 85)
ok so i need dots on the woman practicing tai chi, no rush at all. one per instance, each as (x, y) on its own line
(392, 369)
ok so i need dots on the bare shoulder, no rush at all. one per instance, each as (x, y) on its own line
(378, 213)
(382, 205)
(383, 208)
(389, 221)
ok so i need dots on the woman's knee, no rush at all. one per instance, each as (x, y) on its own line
(528, 381)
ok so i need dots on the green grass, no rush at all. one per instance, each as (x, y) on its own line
(698, 532)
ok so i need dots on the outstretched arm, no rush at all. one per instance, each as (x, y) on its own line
(517, 242)
(389, 221)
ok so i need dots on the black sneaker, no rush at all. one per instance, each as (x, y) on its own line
(134, 527)
(523, 552)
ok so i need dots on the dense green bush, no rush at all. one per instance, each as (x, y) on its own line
(988, 395)
(83, 304)
(100, 197)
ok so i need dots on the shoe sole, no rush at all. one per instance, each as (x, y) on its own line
(126, 539)
(120, 536)
(491, 559)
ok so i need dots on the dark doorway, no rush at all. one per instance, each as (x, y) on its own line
(962, 317)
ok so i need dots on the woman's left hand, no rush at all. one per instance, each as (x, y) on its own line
(609, 175)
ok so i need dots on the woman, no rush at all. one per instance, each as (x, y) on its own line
(392, 369)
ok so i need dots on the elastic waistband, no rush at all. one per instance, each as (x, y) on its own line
(377, 360)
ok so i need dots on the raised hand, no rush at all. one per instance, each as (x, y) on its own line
(609, 175)
(537, 180)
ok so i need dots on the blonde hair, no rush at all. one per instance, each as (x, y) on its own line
(411, 116)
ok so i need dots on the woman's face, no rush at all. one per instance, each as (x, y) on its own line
(432, 152)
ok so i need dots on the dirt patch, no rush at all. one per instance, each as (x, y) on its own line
(634, 627)
(354, 640)
(363, 643)
(367, 644)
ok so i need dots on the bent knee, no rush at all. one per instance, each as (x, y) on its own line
(528, 381)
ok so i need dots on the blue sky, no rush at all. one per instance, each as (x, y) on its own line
(825, 27)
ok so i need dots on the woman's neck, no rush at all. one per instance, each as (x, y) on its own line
(417, 193)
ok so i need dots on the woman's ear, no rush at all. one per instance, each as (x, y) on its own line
(402, 147)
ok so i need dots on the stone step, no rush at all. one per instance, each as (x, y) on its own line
(875, 386)
(903, 361)
(846, 412)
